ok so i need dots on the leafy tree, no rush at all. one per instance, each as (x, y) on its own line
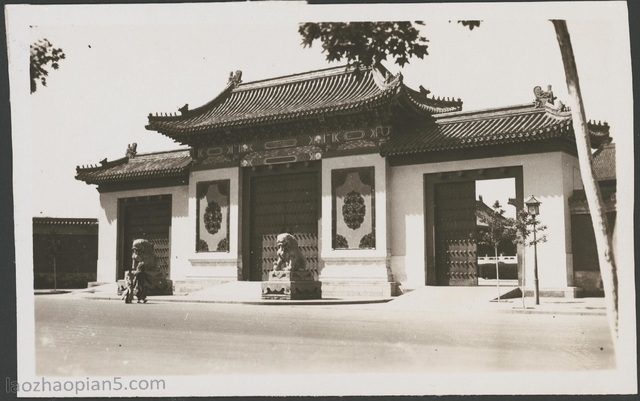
(499, 229)
(43, 56)
(369, 43)
(470, 24)
(366, 43)
(527, 226)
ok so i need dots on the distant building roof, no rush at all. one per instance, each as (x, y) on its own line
(307, 95)
(604, 162)
(473, 129)
(604, 166)
(139, 167)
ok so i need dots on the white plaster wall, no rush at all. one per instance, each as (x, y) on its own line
(407, 230)
(569, 164)
(108, 229)
(179, 226)
(107, 237)
(222, 265)
(549, 176)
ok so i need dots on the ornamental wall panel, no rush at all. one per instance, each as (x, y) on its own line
(368, 267)
(213, 220)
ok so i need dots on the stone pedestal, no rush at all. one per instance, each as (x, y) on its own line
(291, 285)
(156, 285)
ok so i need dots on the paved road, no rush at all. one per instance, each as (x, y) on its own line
(93, 337)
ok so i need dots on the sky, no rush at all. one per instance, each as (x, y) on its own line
(124, 62)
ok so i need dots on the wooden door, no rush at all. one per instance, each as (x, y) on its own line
(455, 230)
(145, 218)
(282, 203)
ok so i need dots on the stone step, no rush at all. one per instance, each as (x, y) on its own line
(194, 284)
(339, 289)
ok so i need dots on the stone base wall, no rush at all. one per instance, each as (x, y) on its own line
(566, 292)
(342, 289)
(362, 277)
(589, 283)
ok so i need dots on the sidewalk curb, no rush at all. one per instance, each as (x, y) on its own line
(334, 302)
(251, 302)
(593, 312)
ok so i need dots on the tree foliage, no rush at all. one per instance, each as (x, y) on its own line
(42, 57)
(366, 43)
(470, 24)
(527, 225)
(499, 228)
(369, 43)
(518, 231)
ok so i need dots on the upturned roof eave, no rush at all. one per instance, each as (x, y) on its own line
(276, 118)
(177, 164)
(137, 176)
(561, 130)
(507, 111)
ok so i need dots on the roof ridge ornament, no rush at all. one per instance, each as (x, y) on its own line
(131, 150)
(543, 97)
(235, 79)
(184, 109)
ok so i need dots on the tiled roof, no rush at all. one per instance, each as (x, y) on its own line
(65, 221)
(140, 167)
(329, 91)
(474, 129)
(604, 162)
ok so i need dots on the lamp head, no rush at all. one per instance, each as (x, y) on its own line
(533, 206)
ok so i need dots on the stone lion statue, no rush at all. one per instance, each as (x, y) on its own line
(145, 271)
(289, 255)
(143, 256)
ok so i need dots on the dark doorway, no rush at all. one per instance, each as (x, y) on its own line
(281, 200)
(147, 218)
(451, 223)
(455, 228)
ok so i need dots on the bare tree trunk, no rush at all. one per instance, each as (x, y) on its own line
(495, 253)
(55, 276)
(591, 189)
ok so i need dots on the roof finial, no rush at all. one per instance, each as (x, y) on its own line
(236, 78)
(183, 110)
(543, 97)
(131, 150)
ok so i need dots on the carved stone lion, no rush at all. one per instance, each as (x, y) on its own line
(142, 252)
(290, 257)
(145, 265)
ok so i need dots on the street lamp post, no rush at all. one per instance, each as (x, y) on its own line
(533, 207)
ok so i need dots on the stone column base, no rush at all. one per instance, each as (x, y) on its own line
(566, 292)
(368, 277)
(365, 289)
(157, 287)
